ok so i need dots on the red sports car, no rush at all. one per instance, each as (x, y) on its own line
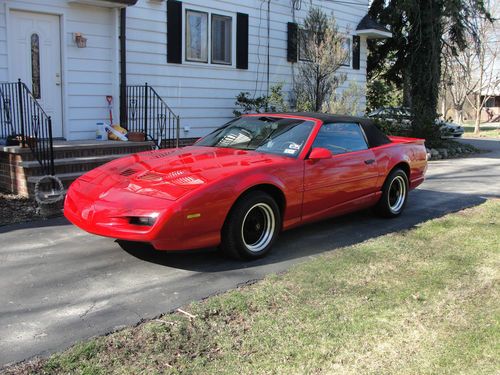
(242, 184)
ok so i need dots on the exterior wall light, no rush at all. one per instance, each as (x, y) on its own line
(80, 40)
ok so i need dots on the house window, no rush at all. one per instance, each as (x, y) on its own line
(221, 39)
(346, 46)
(303, 41)
(35, 66)
(490, 102)
(196, 36)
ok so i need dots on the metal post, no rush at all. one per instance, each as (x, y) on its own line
(21, 112)
(146, 111)
(178, 131)
(51, 151)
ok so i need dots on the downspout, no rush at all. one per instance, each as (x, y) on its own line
(123, 67)
(268, 45)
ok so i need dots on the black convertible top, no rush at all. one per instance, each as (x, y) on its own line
(375, 136)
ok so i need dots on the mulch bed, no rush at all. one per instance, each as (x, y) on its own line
(17, 209)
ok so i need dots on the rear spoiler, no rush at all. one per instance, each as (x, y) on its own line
(395, 139)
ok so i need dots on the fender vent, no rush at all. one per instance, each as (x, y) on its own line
(128, 172)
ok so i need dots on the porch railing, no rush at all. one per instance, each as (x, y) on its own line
(147, 113)
(23, 121)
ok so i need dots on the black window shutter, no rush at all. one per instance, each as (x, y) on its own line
(356, 51)
(293, 30)
(241, 41)
(174, 31)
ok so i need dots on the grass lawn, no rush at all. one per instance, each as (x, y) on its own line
(486, 131)
(422, 301)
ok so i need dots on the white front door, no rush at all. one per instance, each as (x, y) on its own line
(35, 58)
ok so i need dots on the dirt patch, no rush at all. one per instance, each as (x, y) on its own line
(16, 209)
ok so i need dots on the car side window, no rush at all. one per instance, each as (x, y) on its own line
(340, 138)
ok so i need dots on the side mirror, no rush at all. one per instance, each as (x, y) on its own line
(319, 153)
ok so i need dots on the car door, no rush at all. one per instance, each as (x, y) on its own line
(344, 182)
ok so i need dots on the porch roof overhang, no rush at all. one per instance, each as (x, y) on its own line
(371, 29)
(106, 3)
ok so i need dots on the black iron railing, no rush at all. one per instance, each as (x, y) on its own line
(148, 114)
(24, 122)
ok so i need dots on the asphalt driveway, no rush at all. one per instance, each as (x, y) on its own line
(59, 285)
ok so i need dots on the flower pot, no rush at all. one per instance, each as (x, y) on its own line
(17, 140)
(136, 136)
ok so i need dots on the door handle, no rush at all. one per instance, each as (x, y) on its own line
(369, 161)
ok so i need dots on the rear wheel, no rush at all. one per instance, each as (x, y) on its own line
(251, 227)
(394, 194)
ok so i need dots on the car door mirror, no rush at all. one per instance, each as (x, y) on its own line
(319, 153)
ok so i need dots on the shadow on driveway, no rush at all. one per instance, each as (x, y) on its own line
(316, 238)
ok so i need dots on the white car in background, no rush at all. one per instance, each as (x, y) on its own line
(403, 116)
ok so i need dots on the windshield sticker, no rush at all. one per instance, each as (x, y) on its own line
(294, 146)
(290, 151)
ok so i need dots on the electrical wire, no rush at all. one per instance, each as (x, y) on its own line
(258, 49)
(344, 2)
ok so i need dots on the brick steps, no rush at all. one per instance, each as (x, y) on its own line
(68, 165)
(19, 172)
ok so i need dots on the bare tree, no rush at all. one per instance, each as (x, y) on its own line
(484, 69)
(458, 82)
(468, 70)
(322, 53)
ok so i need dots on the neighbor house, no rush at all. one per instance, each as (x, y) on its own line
(82, 58)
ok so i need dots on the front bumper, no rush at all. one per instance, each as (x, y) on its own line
(108, 213)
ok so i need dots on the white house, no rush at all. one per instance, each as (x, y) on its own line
(198, 55)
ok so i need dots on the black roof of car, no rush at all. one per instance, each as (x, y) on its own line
(327, 117)
(375, 136)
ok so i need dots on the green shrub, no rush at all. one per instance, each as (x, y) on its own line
(275, 102)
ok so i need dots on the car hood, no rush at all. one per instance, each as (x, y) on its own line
(172, 173)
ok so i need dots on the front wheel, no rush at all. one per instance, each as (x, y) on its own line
(251, 227)
(394, 194)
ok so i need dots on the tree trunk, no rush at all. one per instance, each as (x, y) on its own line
(477, 126)
(443, 106)
(425, 67)
(407, 89)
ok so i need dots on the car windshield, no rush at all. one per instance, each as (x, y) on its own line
(275, 135)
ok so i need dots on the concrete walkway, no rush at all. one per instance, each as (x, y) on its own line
(60, 285)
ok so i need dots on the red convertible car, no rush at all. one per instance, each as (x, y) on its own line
(242, 184)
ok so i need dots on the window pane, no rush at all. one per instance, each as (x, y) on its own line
(283, 136)
(340, 138)
(304, 40)
(221, 39)
(196, 36)
(346, 46)
(35, 66)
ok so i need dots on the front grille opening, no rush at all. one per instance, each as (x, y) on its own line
(145, 221)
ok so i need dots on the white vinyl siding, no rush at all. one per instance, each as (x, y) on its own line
(3, 45)
(204, 94)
